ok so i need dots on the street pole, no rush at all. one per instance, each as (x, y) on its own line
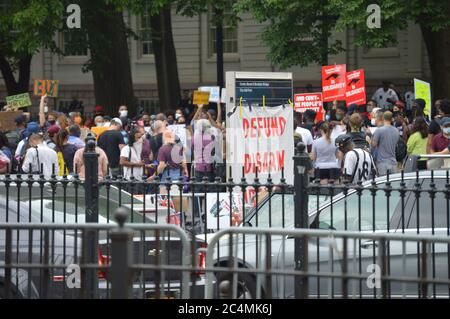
(302, 164)
(90, 249)
(219, 46)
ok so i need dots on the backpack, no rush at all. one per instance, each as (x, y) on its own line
(62, 165)
(401, 150)
(13, 138)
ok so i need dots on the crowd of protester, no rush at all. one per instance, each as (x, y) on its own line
(352, 142)
(358, 142)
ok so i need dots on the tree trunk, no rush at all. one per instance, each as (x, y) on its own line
(438, 48)
(21, 85)
(165, 60)
(110, 59)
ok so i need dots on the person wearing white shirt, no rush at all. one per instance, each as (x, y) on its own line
(307, 138)
(359, 165)
(130, 155)
(385, 97)
(39, 158)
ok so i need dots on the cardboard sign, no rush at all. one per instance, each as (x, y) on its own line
(214, 92)
(356, 87)
(18, 101)
(313, 101)
(261, 139)
(7, 122)
(49, 87)
(422, 90)
(333, 82)
(200, 98)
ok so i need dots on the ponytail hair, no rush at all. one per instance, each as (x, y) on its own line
(325, 128)
(60, 138)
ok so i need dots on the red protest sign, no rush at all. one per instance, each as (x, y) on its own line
(333, 82)
(313, 101)
(356, 87)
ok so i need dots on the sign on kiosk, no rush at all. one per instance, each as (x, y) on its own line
(333, 82)
(356, 87)
(306, 101)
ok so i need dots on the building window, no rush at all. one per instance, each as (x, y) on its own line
(74, 42)
(145, 35)
(230, 36)
(149, 106)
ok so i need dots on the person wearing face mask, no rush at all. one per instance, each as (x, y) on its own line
(178, 115)
(131, 155)
(442, 140)
(123, 111)
(146, 122)
(99, 127)
(440, 145)
(337, 125)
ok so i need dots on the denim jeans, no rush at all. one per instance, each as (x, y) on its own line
(174, 175)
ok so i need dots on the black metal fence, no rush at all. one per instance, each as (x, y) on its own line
(399, 203)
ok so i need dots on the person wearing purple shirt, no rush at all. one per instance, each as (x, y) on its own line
(203, 144)
(171, 160)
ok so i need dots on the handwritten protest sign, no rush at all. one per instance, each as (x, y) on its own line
(214, 92)
(200, 98)
(18, 101)
(333, 82)
(356, 87)
(313, 101)
(49, 87)
(422, 90)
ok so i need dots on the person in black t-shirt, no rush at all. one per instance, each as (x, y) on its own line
(112, 142)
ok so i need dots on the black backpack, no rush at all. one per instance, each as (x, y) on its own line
(401, 150)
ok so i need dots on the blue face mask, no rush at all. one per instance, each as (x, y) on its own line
(338, 117)
(327, 117)
(446, 130)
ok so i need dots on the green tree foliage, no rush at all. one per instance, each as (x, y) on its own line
(25, 27)
(297, 32)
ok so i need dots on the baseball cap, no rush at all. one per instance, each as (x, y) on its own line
(32, 128)
(98, 109)
(117, 120)
(342, 140)
(400, 104)
(20, 119)
(53, 129)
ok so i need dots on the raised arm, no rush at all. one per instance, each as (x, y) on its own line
(41, 110)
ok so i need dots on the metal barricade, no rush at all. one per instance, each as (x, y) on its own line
(49, 261)
(339, 264)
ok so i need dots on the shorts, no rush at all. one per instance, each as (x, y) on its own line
(328, 173)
